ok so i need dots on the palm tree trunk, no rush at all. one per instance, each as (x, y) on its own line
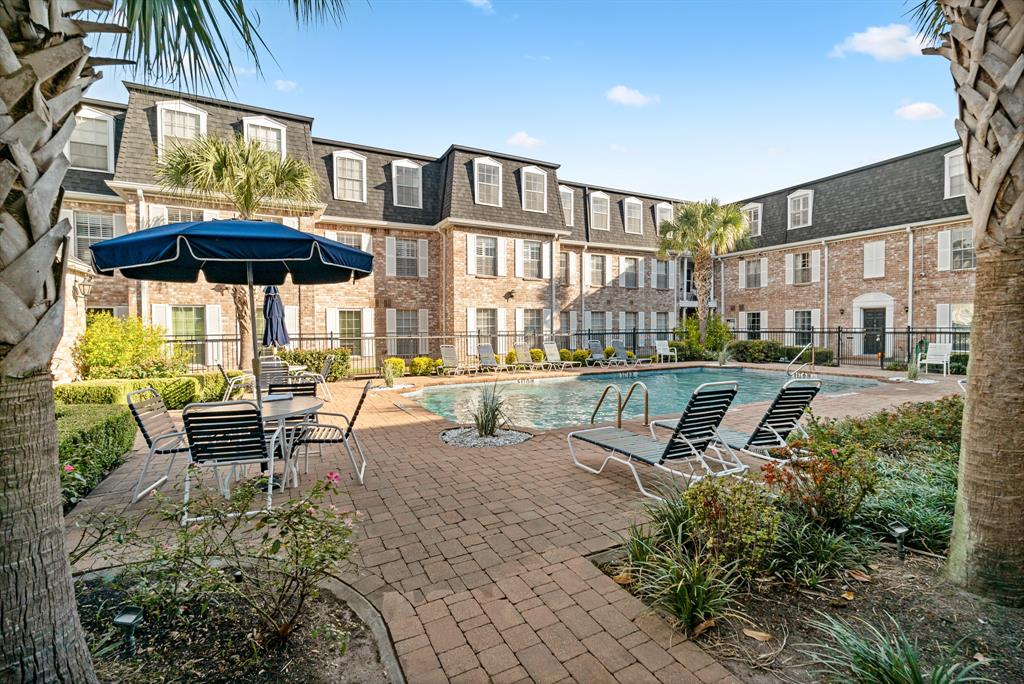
(702, 284)
(240, 297)
(984, 45)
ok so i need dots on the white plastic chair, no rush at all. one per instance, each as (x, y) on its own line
(937, 355)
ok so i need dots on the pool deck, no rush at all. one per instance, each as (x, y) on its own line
(476, 558)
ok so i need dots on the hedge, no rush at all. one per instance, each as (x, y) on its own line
(313, 360)
(687, 351)
(177, 392)
(92, 441)
(423, 365)
(770, 351)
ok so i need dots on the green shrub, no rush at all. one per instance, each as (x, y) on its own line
(422, 365)
(92, 441)
(489, 416)
(392, 368)
(755, 351)
(669, 518)
(177, 392)
(685, 351)
(511, 357)
(809, 555)
(537, 355)
(821, 355)
(114, 347)
(733, 518)
(958, 363)
(580, 356)
(565, 354)
(313, 360)
(716, 334)
(930, 428)
(609, 352)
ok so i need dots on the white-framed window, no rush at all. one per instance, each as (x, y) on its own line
(801, 207)
(407, 179)
(663, 212)
(533, 260)
(535, 189)
(599, 211)
(753, 324)
(533, 322)
(407, 258)
(349, 176)
(92, 142)
(598, 264)
(486, 255)
(350, 328)
(661, 324)
(487, 181)
(661, 269)
(631, 321)
(563, 268)
(956, 175)
(753, 276)
(630, 274)
(178, 123)
(633, 215)
(960, 318)
(268, 132)
(961, 249)
(189, 322)
(802, 270)
(407, 330)
(597, 321)
(874, 259)
(91, 227)
(753, 213)
(487, 326)
(802, 324)
(568, 204)
(352, 240)
(564, 321)
(183, 214)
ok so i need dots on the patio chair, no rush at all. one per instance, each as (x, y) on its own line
(272, 371)
(663, 350)
(554, 358)
(620, 355)
(320, 433)
(962, 382)
(158, 429)
(597, 357)
(233, 383)
(227, 433)
(490, 362)
(937, 355)
(525, 358)
(694, 444)
(321, 377)
(450, 364)
(297, 387)
(780, 420)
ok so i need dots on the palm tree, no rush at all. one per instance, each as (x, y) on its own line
(244, 174)
(45, 69)
(703, 229)
(983, 40)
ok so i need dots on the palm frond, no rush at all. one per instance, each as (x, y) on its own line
(929, 19)
(704, 228)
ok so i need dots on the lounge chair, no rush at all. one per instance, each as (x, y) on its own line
(490, 362)
(554, 357)
(450, 364)
(662, 350)
(525, 359)
(597, 357)
(695, 443)
(780, 420)
(158, 429)
(937, 355)
(620, 355)
(321, 377)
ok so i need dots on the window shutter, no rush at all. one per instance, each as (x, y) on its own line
(157, 215)
(586, 271)
(608, 277)
(945, 247)
(291, 323)
(943, 316)
(424, 329)
(366, 242)
(391, 328)
(213, 328)
(573, 270)
(331, 322)
(789, 269)
(548, 326)
(622, 271)
(587, 320)
(640, 322)
(815, 322)
(161, 317)
(120, 225)
(389, 256)
(764, 271)
(520, 320)
(366, 326)
(545, 255)
(421, 258)
(622, 321)
(788, 325)
(673, 319)
(743, 275)
(210, 214)
(518, 258)
(608, 318)
(815, 265)
(471, 254)
(121, 312)
(572, 322)
(291, 221)
(673, 268)
(500, 329)
(471, 340)
(502, 256)
(744, 324)
(331, 235)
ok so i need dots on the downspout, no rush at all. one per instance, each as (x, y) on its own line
(824, 323)
(721, 288)
(910, 277)
(551, 273)
(444, 280)
(586, 246)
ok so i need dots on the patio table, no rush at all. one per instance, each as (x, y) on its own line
(296, 367)
(279, 411)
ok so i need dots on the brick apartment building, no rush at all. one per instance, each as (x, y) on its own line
(475, 241)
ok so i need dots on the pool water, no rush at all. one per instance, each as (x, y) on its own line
(564, 402)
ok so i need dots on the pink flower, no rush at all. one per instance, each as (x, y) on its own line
(311, 511)
(333, 477)
(68, 468)
(835, 452)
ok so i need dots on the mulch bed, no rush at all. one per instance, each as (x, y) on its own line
(334, 645)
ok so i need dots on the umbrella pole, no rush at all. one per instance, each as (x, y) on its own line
(252, 328)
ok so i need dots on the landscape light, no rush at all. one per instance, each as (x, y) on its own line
(127, 620)
(898, 530)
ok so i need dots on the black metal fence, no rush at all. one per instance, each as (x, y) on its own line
(848, 346)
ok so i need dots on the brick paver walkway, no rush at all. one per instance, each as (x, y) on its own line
(476, 558)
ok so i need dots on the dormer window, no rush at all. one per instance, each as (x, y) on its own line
(487, 181)
(349, 176)
(178, 124)
(92, 143)
(663, 212)
(753, 213)
(535, 189)
(568, 204)
(633, 215)
(599, 211)
(267, 131)
(408, 183)
(801, 205)
(956, 175)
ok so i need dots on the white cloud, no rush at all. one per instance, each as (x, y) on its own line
(246, 71)
(523, 139)
(285, 86)
(631, 97)
(885, 43)
(484, 5)
(919, 111)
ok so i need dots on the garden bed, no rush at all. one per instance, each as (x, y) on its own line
(469, 438)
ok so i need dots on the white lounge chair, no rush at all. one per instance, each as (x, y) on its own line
(490, 362)
(554, 358)
(525, 359)
(619, 354)
(937, 355)
(450, 364)
(662, 350)
(598, 358)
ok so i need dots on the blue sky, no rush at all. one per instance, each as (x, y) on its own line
(686, 99)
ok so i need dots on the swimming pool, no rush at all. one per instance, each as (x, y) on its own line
(563, 402)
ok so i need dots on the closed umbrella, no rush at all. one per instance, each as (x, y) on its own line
(231, 252)
(275, 331)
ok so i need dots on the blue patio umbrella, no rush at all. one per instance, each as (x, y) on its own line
(275, 332)
(231, 252)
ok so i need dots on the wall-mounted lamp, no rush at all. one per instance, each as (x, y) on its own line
(84, 288)
(842, 312)
(509, 295)
(906, 309)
